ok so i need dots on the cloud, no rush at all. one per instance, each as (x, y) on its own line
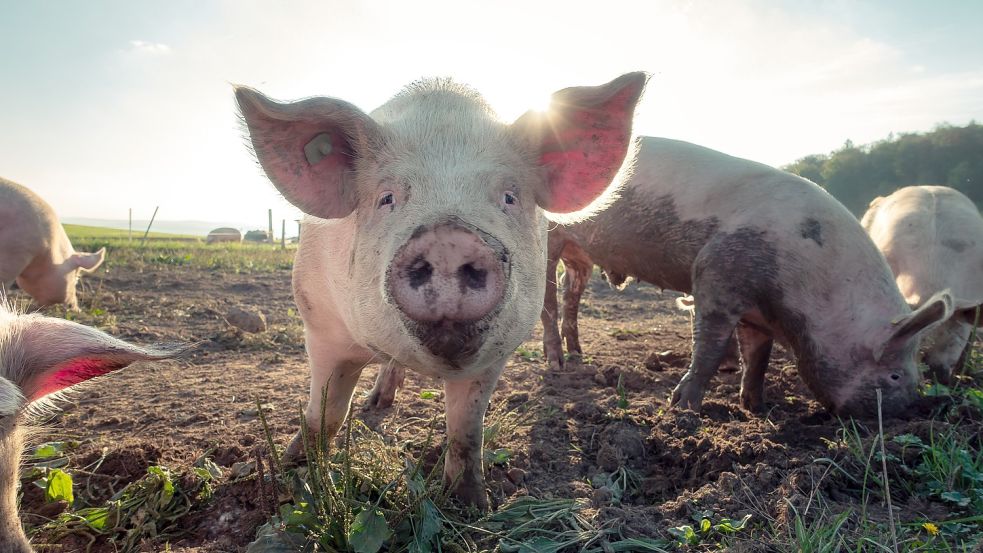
(149, 47)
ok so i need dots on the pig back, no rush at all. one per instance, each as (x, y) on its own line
(679, 196)
(932, 236)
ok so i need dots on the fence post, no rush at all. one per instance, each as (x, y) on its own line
(129, 234)
(270, 212)
(148, 226)
(283, 235)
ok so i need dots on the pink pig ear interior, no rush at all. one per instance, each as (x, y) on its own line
(47, 355)
(307, 148)
(89, 262)
(583, 139)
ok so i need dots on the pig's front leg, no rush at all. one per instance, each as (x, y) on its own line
(383, 394)
(467, 401)
(337, 367)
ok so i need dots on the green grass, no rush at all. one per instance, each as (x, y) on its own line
(83, 232)
(179, 250)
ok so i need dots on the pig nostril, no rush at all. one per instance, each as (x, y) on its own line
(472, 277)
(419, 273)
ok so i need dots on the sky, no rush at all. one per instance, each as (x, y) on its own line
(111, 105)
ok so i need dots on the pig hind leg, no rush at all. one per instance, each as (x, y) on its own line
(383, 394)
(721, 298)
(756, 351)
(552, 343)
(578, 271)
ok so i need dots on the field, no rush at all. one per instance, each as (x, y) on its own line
(176, 456)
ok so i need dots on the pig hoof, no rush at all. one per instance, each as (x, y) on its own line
(683, 397)
(379, 400)
(473, 497)
(296, 453)
(752, 404)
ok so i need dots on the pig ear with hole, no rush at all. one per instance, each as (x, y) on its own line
(89, 262)
(307, 148)
(582, 140)
(48, 355)
(932, 313)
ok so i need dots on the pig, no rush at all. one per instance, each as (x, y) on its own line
(765, 253)
(35, 251)
(932, 237)
(424, 240)
(39, 358)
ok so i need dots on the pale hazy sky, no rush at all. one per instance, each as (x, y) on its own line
(107, 105)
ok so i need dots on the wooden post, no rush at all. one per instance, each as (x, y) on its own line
(154, 216)
(129, 234)
(298, 230)
(283, 235)
(270, 212)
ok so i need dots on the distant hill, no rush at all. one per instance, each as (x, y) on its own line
(855, 175)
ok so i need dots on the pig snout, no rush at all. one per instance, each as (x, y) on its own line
(445, 279)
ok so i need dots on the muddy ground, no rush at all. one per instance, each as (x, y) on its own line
(726, 460)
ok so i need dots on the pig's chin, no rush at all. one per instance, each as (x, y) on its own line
(455, 343)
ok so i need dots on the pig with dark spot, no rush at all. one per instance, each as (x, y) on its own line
(35, 251)
(932, 237)
(424, 244)
(41, 356)
(765, 253)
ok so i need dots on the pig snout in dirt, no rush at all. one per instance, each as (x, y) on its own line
(35, 252)
(932, 237)
(40, 356)
(425, 241)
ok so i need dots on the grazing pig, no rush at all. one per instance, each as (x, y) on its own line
(40, 356)
(425, 241)
(35, 251)
(932, 237)
(767, 253)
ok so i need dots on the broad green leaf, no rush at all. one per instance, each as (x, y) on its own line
(166, 485)
(49, 450)
(369, 531)
(499, 456)
(705, 525)
(728, 526)
(95, 517)
(956, 497)
(428, 528)
(58, 487)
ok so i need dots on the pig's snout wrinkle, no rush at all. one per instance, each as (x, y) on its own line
(448, 273)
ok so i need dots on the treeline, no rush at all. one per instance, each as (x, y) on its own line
(855, 175)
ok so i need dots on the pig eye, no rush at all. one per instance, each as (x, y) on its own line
(509, 198)
(895, 377)
(387, 198)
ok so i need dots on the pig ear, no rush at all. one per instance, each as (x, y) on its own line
(935, 311)
(47, 355)
(308, 148)
(582, 140)
(89, 262)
